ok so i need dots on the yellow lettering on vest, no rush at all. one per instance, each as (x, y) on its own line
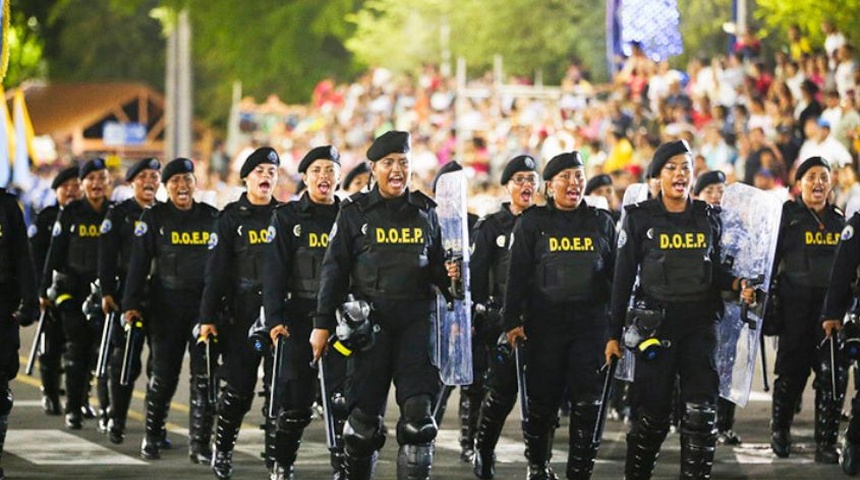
(664, 241)
(317, 240)
(174, 238)
(186, 238)
(700, 240)
(253, 237)
(821, 238)
(570, 244)
(553, 244)
(189, 238)
(195, 238)
(86, 231)
(394, 235)
(264, 235)
(682, 241)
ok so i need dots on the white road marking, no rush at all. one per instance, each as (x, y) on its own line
(56, 447)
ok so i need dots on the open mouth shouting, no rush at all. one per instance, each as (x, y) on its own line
(324, 187)
(183, 195)
(680, 186)
(819, 193)
(527, 195)
(397, 181)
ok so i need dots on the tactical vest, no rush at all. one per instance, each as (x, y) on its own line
(392, 260)
(307, 260)
(131, 213)
(808, 263)
(183, 242)
(248, 250)
(500, 271)
(677, 264)
(84, 232)
(570, 265)
(6, 268)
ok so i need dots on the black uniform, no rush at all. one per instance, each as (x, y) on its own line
(177, 242)
(49, 357)
(388, 252)
(73, 255)
(805, 249)
(677, 258)
(234, 275)
(559, 277)
(18, 301)
(488, 265)
(301, 234)
(117, 233)
(842, 295)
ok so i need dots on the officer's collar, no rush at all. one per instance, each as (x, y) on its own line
(305, 202)
(659, 199)
(374, 197)
(244, 201)
(170, 204)
(550, 205)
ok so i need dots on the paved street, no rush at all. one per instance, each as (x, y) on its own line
(38, 447)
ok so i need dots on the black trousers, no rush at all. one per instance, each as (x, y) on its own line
(171, 326)
(691, 328)
(797, 354)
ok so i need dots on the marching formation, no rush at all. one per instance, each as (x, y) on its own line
(337, 296)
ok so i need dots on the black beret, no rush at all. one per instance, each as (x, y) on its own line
(389, 142)
(176, 167)
(64, 175)
(650, 173)
(326, 152)
(708, 178)
(561, 162)
(596, 182)
(809, 163)
(91, 166)
(259, 156)
(666, 151)
(357, 170)
(520, 163)
(146, 163)
(449, 167)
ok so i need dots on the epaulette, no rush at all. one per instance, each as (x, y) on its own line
(479, 222)
(838, 210)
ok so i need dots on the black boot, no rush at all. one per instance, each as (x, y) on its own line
(537, 431)
(50, 387)
(76, 391)
(200, 418)
(4, 426)
(337, 455)
(698, 441)
(120, 401)
(291, 426)
(583, 450)
(643, 446)
(494, 409)
(726, 423)
(415, 461)
(157, 403)
(850, 457)
(782, 414)
(469, 410)
(231, 410)
(359, 467)
(826, 426)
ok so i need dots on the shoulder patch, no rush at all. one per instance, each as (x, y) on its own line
(32, 230)
(500, 241)
(270, 234)
(333, 232)
(106, 226)
(847, 233)
(622, 239)
(57, 230)
(213, 241)
(140, 228)
(297, 230)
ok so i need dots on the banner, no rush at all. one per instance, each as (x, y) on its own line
(22, 176)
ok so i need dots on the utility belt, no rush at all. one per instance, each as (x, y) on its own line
(63, 288)
(640, 330)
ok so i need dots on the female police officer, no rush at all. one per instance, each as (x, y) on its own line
(234, 270)
(292, 271)
(74, 256)
(808, 236)
(673, 243)
(558, 287)
(386, 248)
(489, 269)
(172, 236)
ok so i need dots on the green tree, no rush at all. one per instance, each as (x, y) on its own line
(777, 15)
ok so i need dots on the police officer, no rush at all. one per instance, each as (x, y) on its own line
(234, 270)
(808, 237)
(673, 243)
(18, 300)
(174, 237)
(301, 234)
(561, 262)
(356, 179)
(117, 233)
(386, 248)
(601, 186)
(489, 261)
(841, 295)
(709, 188)
(73, 258)
(67, 187)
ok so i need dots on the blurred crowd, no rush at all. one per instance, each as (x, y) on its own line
(754, 118)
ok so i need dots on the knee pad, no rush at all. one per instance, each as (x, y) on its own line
(294, 420)
(649, 430)
(161, 389)
(363, 434)
(233, 406)
(417, 425)
(699, 419)
(339, 406)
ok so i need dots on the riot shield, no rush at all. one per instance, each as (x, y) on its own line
(454, 322)
(750, 220)
(635, 193)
